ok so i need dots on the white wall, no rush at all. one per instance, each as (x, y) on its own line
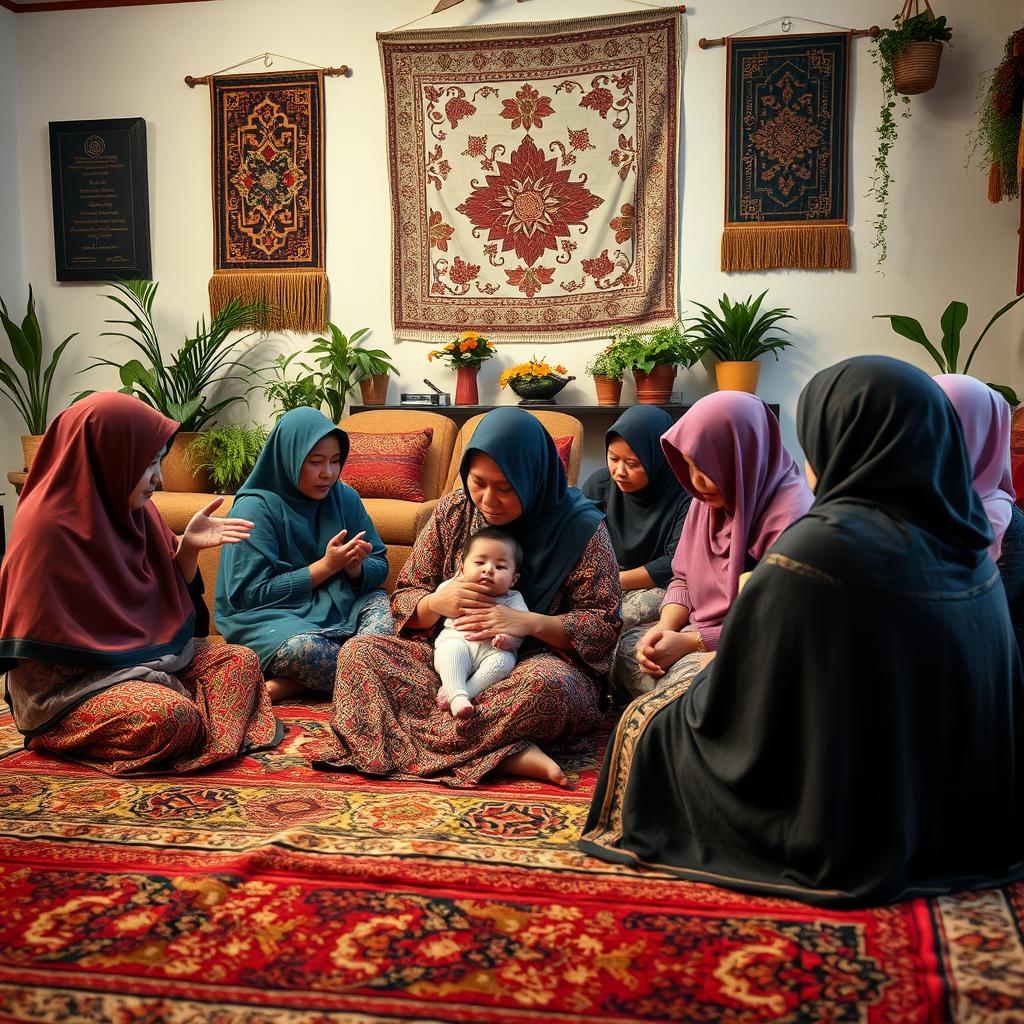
(11, 277)
(945, 239)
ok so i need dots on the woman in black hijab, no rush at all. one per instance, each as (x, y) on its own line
(860, 736)
(645, 507)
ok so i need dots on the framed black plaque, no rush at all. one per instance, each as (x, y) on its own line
(100, 199)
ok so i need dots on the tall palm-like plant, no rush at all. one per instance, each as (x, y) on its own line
(738, 334)
(176, 386)
(31, 396)
(947, 355)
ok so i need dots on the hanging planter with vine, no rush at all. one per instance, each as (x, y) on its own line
(998, 134)
(908, 60)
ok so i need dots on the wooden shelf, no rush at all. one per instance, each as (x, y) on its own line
(461, 413)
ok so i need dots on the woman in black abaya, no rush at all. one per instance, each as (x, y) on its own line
(859, 737)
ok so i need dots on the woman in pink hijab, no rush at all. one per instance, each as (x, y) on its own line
(727, 451)
(985, 419)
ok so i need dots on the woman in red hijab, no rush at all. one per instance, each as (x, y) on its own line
(95, 615)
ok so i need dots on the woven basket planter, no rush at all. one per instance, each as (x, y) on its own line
(916, 69)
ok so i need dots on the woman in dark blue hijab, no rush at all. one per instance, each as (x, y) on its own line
(386, 721)
(309, 576)
(646, 507)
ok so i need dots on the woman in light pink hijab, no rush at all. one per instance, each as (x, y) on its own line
(727, 451)
(985, 419)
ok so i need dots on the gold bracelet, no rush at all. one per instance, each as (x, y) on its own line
(700, 648)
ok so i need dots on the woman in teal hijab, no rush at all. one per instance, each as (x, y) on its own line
(386, 721)
(309, 577)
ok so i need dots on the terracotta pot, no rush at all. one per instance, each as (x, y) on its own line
(29, 446)
(609, 392)
(176, 468)
(916, 69)
(375, 389)
(466, 392)
(655, 388)
(738, 376)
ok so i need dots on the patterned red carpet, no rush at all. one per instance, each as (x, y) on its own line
(265, 892)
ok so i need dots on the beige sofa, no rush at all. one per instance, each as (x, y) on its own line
(397, 522)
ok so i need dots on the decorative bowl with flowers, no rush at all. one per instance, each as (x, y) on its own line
(535, 382)
(469, 349)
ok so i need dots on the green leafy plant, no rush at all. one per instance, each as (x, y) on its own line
(889, 44)
(284, 392)
(343, 364)
(609, 362)
(738, 334)
(31, 396)
(667, 346)
(176, 386)
(227, 453)
(947, 354)
(999, 120)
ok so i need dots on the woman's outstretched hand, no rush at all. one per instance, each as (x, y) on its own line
(204, 531)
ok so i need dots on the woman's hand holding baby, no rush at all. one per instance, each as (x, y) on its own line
(487, 623)
(460, 597)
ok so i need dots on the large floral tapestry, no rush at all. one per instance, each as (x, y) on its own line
(786, 128)
(268, 196)
(533, 176)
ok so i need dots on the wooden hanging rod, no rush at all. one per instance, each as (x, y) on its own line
(344, 70)
(873, 32)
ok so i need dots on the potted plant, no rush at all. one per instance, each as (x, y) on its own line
(283, 392)
(736, 338)
(31, 396)
(466, 354)
(607, 368)
(999, 120)
(535, 382)
(342, 364)
(908, 60)
(947, 354)
(227, 453)
(177, 385)
(654, 359)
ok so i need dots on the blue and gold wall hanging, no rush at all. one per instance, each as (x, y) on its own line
(786, 153)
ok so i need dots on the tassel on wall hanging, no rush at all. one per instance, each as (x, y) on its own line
(268, 195)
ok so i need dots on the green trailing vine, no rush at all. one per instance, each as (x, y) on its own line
(889, 44)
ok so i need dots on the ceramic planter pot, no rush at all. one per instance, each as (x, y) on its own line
(538, 390)
(29, 446)
(375, 389)
(176, 468)
(466, 392)
(738, 376)
(655, 388)
(609, 391)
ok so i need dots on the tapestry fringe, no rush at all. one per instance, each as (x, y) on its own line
(297, 300)
(773, 247)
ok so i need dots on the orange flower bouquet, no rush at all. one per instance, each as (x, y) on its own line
(470, 348)
(536, 382)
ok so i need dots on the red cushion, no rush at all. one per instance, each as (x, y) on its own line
(388, 465)
(564, 447)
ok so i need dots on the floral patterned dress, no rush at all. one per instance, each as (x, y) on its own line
(386, 721)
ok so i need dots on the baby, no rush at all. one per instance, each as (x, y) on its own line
(492, 558)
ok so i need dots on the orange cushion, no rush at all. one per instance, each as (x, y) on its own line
(388, 465)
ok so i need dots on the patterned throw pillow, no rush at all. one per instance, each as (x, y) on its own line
(388, 465)
(564, 447)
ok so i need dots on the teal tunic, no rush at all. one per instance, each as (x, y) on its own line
(265, 594)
